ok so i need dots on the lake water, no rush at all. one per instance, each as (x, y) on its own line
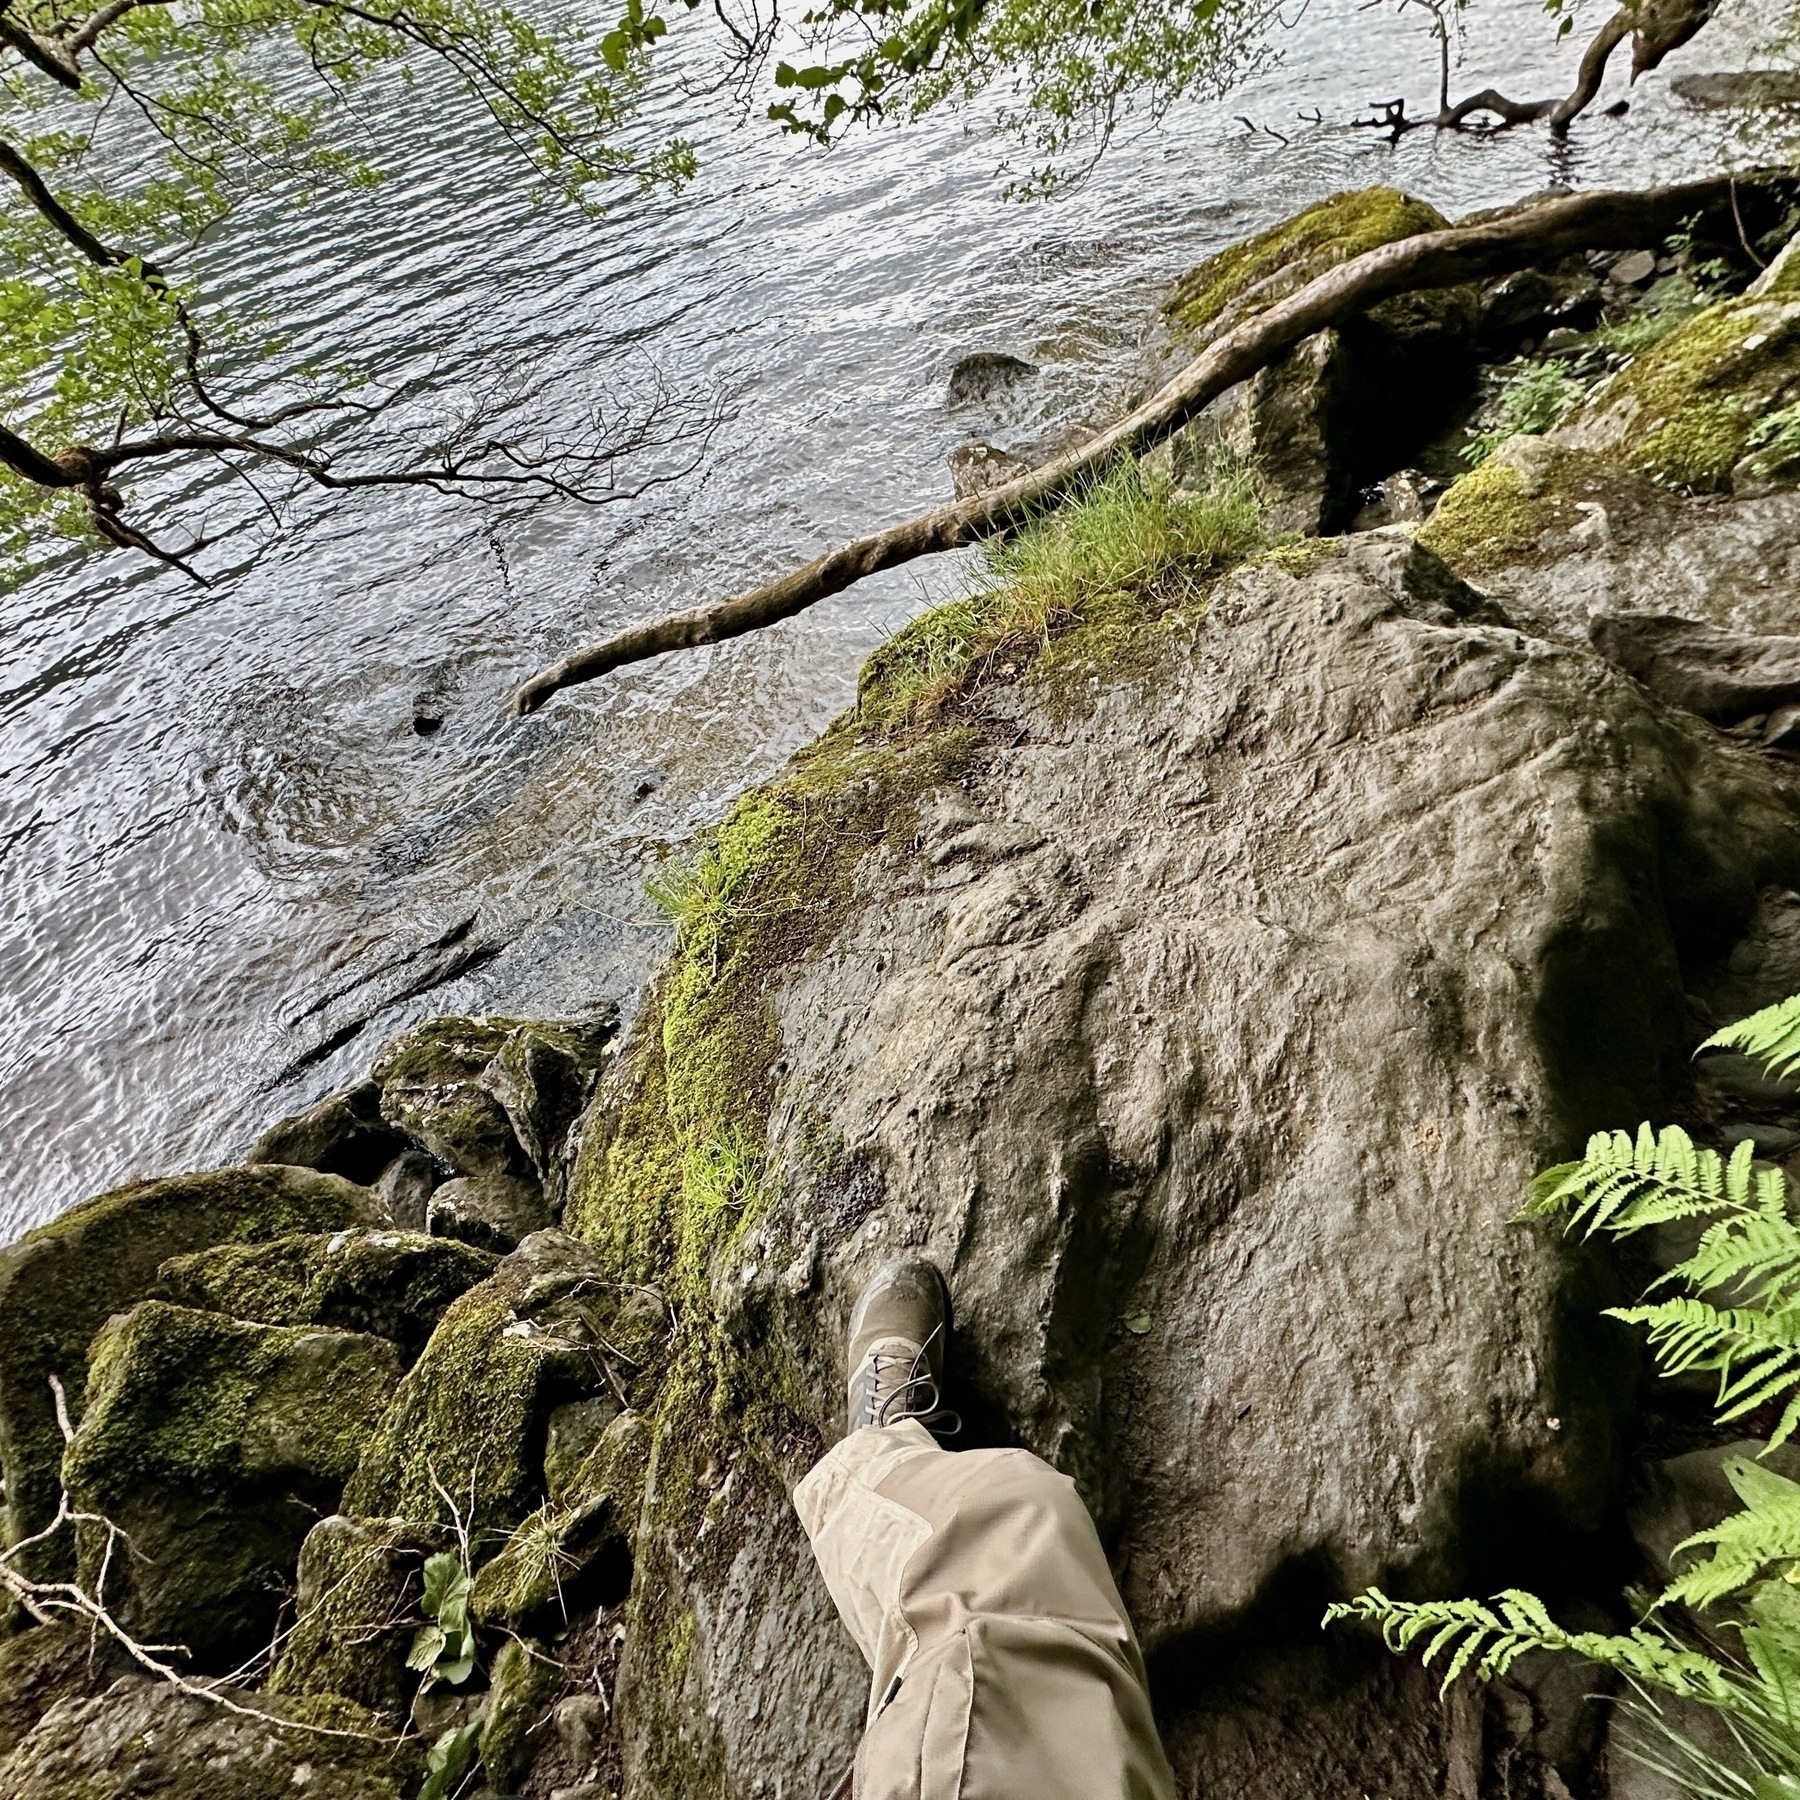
(228, 853)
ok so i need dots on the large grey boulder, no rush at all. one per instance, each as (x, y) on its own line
(1204, 1017)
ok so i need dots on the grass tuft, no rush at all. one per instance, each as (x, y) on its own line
(1131, 546)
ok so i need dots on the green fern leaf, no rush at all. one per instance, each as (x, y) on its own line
(1772, 1036)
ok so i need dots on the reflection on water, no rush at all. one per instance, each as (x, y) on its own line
(233, 865)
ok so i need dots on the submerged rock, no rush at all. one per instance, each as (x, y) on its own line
(59, 1283)
(1203, 1003)
(393, 1284)
(213, 1445)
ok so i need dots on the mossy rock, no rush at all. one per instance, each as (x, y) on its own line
(393, 1284)
(143, 1737)
(494, 1097)
(543, 1076)
(524, 1680)
(494, 1212)
(212, 1444)
(1685, 412)
(431, 1089)
(1511, 508)
(469, 1420)
(1249, 277)
(1321, 422)
(573, 1555)
(59, 1284)
(356, 1611)
(343, 1134)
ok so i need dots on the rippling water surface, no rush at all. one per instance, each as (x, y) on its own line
(232, 866)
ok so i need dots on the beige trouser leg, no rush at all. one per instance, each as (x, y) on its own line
(975, 1581)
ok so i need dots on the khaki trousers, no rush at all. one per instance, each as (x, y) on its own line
(974, 1584)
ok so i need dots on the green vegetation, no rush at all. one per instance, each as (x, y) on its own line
(1532, 398)
(443, 1649)
(1736, 1314)
(1123, 552)
(1257, 272)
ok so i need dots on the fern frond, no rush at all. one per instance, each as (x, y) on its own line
(1624, 1184)
(1491, 1638)
(1772, 1036)
(1757, 1250)
(1766, 1531)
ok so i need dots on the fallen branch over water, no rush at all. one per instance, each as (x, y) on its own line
(1434, 259)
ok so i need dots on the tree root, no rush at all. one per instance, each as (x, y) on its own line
(1436, 259)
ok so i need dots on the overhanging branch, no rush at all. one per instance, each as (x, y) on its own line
(1435, 259)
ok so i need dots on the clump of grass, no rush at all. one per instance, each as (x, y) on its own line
(1133, 544)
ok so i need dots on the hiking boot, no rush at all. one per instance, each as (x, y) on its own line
(898, 1333)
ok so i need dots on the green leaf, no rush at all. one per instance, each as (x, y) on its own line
(1772, 1036)
(427, 1646)
(1138, 1324)
(442, 1572)
(447, 1761)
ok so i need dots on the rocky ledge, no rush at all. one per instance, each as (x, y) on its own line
(1199, 976)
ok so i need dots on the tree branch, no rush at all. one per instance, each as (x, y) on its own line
(37, 191)
(1435, 259)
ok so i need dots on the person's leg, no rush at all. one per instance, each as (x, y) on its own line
(1003, 1662)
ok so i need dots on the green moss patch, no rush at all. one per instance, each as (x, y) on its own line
(59, 1284)
(395, 1284)
(211, 1443)
(357, 1610)
(1494, 515)
(1254, 274)
(1690, 405)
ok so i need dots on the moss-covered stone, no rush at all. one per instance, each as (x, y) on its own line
(524, 1680)
(1686, 411)
(1323, 421)
(356, 1611)
(48, 1663)
(494, 1212)
(467, 1425)
(212, 1444)
(543, 1076)
(393, 1284)
(1247, 277)
(573, 1554)
(343, 1134)
(431, 1089)
(59, 1283)
(1505, 510)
